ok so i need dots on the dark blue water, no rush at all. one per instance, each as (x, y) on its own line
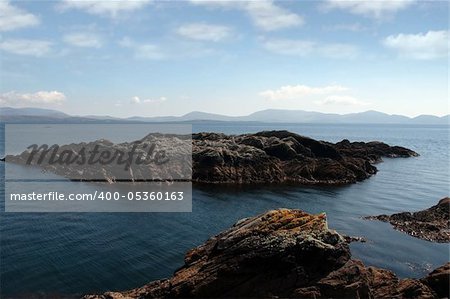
(75, 253)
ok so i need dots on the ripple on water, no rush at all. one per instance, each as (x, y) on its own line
(75, 253)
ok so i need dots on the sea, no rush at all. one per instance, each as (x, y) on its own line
(69, 254)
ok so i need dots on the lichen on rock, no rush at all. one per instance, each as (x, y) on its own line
(283, 253)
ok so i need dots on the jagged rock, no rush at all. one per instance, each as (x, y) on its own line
(264, 157)
(373, 150)
(282, 151)
(439, 280)
(282, 156)
(282, 254)
(432, 224)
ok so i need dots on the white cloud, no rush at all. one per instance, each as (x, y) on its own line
(306, 47)
(292, 92)
(137, 100)
(29, 47)
(375, 9)
(337, 50)
(342, 100)
(143, 51)
(290, 47)
(353, 27)
(265, 14)
(268, 16)
(37, 98)
(12, 17)
(205, 32)
(430, 45)
(111, 9)
(85, 40)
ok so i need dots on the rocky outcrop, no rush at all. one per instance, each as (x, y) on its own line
(280, 254)
(265, 157)
(282, 156)
(432, 224)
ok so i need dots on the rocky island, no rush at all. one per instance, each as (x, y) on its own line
(283, 254)
(282, 156)
(432, 224)
(264, 157)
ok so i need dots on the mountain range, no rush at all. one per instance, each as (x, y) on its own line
(36, 115)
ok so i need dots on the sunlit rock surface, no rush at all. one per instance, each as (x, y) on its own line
(283, 253)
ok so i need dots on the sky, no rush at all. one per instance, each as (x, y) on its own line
(157, 58)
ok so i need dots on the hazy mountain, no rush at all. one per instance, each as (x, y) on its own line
(36, 115)
(39, 115)
(194, 115)
(427, 119)
(374, 117)
(295, 116)
(197, 115)
(8, 111)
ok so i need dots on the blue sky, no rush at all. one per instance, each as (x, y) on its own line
(149, 58)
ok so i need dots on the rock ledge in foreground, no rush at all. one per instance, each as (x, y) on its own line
(280, 254)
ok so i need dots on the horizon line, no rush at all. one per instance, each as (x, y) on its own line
(224, 115)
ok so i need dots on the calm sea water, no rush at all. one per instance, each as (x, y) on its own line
(76, 253)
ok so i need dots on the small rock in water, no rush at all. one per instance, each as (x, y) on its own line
(432, 224)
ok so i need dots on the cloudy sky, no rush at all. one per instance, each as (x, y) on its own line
(149, 58)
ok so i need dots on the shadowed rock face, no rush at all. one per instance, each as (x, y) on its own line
(282, 156)
(265, 157)
(432, 224)
(283, 253)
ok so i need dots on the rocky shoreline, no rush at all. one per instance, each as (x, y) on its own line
(283, 254)
(264, 157)
(432, 224)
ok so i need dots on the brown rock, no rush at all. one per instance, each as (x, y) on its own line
(282, 254)
(439, 281)
(265, 157)
(282, 156)
(432, 224)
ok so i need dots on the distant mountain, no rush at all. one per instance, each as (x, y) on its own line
(300, 116)
(276, 115)
(39, 115)
(429, 119)
(197, 115)
(374, 117)
(191, 116)
(35, 115)
(8, 111)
